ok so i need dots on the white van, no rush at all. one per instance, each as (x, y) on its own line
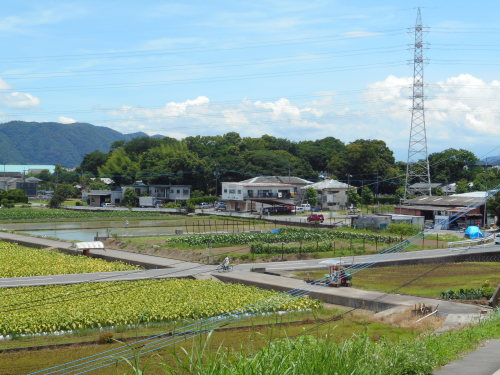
(299, 210)
(306, 206)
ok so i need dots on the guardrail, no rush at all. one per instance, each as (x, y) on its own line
(476, 241)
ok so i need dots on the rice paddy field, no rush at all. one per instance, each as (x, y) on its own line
(437, 278)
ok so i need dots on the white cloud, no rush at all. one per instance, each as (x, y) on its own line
(66, 120)
(4, 85)
(14, 99)
(19, 100)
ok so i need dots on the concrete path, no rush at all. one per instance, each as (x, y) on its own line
(178, 268)
(483, 361)
(365, 299)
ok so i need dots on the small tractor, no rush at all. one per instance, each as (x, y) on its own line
(338, 275)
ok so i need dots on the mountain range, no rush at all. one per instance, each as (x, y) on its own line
(55, 143)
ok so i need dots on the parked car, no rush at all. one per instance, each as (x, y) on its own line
(315, 218)
(277, 210)
(497, 239)
(220, 206)
(205, 205)
(108, 205)
(299, 210)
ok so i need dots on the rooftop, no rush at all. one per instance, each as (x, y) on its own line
(328, 184)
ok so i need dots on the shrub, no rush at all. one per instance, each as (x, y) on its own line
(403, 229)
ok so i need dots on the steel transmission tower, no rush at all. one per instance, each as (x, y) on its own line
(417, 168)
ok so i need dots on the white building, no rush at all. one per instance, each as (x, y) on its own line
(332, 194)
(255, 193)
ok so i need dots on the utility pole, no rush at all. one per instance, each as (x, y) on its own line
(217, 175)
(417, 167)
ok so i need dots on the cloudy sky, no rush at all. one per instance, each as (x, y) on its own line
(293, 69)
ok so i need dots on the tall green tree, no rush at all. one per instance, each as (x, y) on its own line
(91, 163)
(452, 165)
(311, 195)
(120, 167)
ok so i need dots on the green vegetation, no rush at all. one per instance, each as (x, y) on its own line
(284, 235)
(40, 213)
(20, 261)
(106, 304)
(357, 355)
(444, 277)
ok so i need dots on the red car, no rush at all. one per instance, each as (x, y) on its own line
(316, 217)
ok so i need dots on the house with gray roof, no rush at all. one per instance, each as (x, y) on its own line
(256, 193)
(332, 194)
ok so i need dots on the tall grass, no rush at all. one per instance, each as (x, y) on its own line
(308, 355)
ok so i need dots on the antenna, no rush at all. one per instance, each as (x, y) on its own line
(417, 167)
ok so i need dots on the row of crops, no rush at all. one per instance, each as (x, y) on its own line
(39, 213)
(284, 235)
(20, 261)
(73, 307)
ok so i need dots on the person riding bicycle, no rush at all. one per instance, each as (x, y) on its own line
(225, 263)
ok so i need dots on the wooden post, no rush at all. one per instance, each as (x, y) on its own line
(376, 243)
(437, 240)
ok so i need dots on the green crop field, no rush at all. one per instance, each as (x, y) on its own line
(68, 307)
(20, 261)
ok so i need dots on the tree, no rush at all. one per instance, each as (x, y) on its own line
(130, 198)
(493, 207)
(452, 165)
(15, 196)
(91, 162)
(311, 196)
(353, 197)
(462, 187)
(366, 161)
(97, 184)
(366, 195)
(120, 167)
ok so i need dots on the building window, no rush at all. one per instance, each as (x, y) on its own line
(225, 190)
(185, 192)
(239, 191)
(178, 191)
(171, 192)
(231, 191)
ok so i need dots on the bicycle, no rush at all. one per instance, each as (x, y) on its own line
(223, 268)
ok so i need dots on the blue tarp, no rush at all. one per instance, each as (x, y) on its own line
(277, 230)
(473, 232)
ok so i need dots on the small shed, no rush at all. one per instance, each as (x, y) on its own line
(86, 246)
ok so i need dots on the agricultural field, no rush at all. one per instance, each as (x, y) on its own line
(21, 261)
(32, 310)
(287, 244)
(443, 277)
(42, 213)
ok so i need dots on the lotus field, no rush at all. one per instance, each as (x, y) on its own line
(284, 235)
(20, 261)
(32, 310)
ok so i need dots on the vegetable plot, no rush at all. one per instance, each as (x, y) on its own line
(285, 235)
(20, 261)
(79, 306)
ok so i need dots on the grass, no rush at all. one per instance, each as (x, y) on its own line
(309, 355)
(255, 337)
(447, 276)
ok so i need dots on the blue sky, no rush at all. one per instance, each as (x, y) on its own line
(293, 69)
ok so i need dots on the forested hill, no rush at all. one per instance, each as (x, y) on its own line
(54, 143)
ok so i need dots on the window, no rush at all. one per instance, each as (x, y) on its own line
(171, 192)
(239, 191)
(185, 192)
(225, 190)
(178, 191)
(231, 191)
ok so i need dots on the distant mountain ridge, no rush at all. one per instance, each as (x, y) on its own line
(55, 143)
(491, 160)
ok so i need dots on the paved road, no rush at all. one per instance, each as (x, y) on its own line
(165, 267)
(483, 361)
